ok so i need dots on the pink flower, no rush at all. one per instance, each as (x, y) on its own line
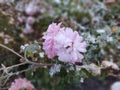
(49, 43)
(21, 84)
(70, 45)
(52, 30)
(64, 43)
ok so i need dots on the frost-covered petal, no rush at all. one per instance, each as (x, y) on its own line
(48, 46)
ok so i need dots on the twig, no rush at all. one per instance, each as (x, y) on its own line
(13, 66)
(25, 62)
(11, 50)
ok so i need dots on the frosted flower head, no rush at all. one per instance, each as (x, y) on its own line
(70, 45)
(20, 84)
(64, 43)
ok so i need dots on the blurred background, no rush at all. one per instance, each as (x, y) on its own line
(23, 22)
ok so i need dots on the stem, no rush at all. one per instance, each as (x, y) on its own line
(11, 50)
(25, 62)
(13, 66)
(38, 64)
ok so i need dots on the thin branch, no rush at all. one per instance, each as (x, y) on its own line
(13, 66)
(11, 50)
(38, 64)
(25, 62)
(18, 72)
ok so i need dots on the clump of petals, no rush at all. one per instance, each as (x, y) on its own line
(49, 43)
(64, 43)
(70, 45)
(21, 84)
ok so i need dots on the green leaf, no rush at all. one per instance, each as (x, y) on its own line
(31, 50)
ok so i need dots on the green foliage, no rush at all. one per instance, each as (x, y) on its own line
(30, 51)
